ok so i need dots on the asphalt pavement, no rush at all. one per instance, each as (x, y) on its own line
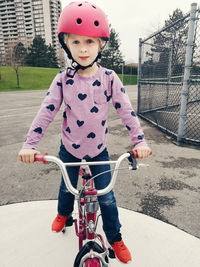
(168, 190)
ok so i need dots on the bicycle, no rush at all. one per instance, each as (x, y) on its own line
(94, 252)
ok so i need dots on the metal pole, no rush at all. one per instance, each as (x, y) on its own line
(169, 74)
(186, 80)
(139, 75)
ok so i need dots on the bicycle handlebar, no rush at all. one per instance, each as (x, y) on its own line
(130, 155)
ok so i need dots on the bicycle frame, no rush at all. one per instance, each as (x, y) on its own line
(88, 206)
(91, 254)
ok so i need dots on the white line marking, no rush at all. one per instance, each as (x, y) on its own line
(14, 115)
(174, 112)
(19, 108)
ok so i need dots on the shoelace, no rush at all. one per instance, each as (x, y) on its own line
(59, 218)
(120, 244)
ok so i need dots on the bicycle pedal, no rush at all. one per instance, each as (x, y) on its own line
(111, 253)
(69, 222)
(64, 230)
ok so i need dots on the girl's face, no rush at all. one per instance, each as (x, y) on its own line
(84, 49)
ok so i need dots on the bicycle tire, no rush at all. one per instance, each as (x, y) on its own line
(92, 263)
(85, 249)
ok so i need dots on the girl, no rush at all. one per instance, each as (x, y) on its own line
(86, 89)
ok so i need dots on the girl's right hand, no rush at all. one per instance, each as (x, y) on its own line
(27, 155)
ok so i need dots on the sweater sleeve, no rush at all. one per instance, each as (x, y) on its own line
(48, 110)
(122, 104)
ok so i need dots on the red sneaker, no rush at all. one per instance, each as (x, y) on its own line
(59, 223)
(121, 252)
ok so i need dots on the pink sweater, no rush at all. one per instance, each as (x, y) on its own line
(86, 106)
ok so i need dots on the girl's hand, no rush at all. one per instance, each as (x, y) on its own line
(27, 155)
(143, 151)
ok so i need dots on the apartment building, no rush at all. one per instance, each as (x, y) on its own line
(22, 20)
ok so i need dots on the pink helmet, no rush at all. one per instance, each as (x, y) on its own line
(83, 18)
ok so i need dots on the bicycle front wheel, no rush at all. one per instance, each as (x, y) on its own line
(92, 263)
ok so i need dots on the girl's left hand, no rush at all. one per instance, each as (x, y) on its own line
(143, 151)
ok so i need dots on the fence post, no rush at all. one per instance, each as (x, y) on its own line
(169, 74)
(139, 75)
(186, 79)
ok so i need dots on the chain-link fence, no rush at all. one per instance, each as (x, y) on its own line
(169, 78)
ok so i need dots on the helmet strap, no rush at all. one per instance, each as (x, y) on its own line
(79, 66)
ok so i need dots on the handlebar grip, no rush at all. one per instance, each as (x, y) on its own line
(41, 157)
(132, 158)
(136, 154)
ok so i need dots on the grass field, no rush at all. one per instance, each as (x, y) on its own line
(128, 79)
(31, 78)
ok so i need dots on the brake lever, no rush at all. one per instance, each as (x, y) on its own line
(132, 159)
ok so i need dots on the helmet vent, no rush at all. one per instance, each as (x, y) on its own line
(79, 21)
(94, 6)
(96, 23)
(80, 4)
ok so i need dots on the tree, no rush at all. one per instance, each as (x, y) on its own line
(168, 46)
(19, 53)
(51, 53)
(175, 39)
(130, 69)
(37, 53)
(18, 56)
(41, 55)
(111, 56)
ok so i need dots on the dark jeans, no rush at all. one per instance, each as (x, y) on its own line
(109, 211)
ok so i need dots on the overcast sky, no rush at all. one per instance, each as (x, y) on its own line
(137, 19)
